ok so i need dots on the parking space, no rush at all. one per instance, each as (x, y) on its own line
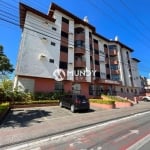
(23, 117)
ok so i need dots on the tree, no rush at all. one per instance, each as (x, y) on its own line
(5, 66)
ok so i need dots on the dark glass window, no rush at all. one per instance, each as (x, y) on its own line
(96, 62)
(90, 34)
(96, 51)
(63, 65)
(105, 46)
(65, 20)
(64, 34)
(108, 76)
(112, 47)
(53, 43)
(64, 49)
(79, 43)
(51, 60)
(97, 74)
(95, 41)
(107, 65)
(53, 28)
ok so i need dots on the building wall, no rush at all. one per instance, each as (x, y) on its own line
(36, 49)
(135, 74)
(40, 54)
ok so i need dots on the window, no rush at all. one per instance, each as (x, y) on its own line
(105, 46)
(115, 77)
(64, 34)
(90, 34)
(121, 90)
(95, 41)
(90, 89)
(96, 62)
(53, 28)
(65, 20)
(97, 74)
(53, 43)
(114, 67)
(59, 86)
(64, 49)
(96, 51)
(112, 47)
(79, 43)
(108, 76)
(51, 60)
(63, 65)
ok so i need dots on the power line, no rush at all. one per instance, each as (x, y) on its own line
(134, 15)
(32, 30)
(126, 19)
(118, 23)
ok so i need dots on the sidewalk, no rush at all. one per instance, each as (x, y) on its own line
(48, 127)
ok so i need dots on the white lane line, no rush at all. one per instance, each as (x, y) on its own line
(76, 131)
(140, 143)
(131, 132)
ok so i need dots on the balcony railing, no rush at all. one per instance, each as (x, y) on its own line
(114, 62)
(115, 72)
(80, 78)
(113, 52)
(79, 50)
(80, 64)
(80, 36)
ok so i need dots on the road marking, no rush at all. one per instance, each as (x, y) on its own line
(131, 132)
(140, 143)
(56, 137)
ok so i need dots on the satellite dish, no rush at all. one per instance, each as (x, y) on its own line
(116, 38)
(85, 19)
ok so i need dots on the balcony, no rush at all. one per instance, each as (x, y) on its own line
(79, 50)
(65, 27)
(64, 41)
(97, 67)
(111, 82)
(113, 52)
(63, 56)
(115, 72)
(114, 62)
(80, 78)
(107, 70)
(80, 36)
(96, 57)
(79, 64)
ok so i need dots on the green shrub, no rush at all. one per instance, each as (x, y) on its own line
(48, 96)
(4, 106)
(36, 102)
(100, 101)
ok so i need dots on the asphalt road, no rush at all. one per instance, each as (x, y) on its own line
(118, 135)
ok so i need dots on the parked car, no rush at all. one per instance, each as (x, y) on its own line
(75, 102)
(146, 98)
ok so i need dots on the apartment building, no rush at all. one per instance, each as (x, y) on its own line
(59, 44)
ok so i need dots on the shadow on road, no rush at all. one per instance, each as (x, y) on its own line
(24, 118)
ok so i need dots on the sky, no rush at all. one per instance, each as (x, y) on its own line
(127, 19)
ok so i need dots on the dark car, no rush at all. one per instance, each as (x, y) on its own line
(75, 102)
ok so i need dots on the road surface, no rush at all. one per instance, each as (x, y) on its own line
(128, 133)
